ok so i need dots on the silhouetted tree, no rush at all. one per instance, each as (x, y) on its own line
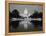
(14, 14)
